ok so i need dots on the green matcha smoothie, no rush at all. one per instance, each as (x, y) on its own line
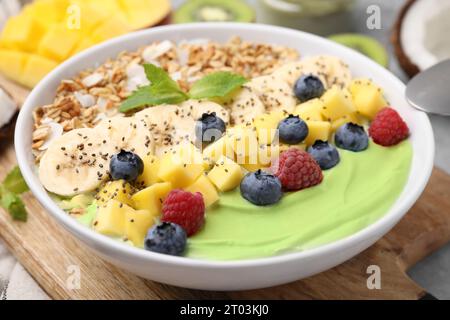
(354, 194)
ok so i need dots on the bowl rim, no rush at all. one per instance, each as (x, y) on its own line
(88, 235)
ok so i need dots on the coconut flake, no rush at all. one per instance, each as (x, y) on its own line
(175, 75)
(8, 108)
(56, 131)
(155, 51)
(92, 79)
(86, 100)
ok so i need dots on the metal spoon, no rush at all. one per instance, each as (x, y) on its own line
(429, 91)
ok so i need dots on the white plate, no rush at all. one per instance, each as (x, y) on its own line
(244, 274)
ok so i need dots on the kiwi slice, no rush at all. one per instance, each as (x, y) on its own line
(367, 45)
(214, 11)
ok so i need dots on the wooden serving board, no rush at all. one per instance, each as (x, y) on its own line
(46, 250)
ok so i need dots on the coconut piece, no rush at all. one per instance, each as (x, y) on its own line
(419, 35)
(8, 113)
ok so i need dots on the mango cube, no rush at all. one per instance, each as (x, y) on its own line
(110, 219)
(150, 174)
(12, 63)
(310, 110)
(21, 32)
(59, 42)
(226, 174)
(336, 104)
(318, 130)
(191, 155)
(206, 188)
(137, 223)
(351, 117)
(151, 198)
(177, 171)
(266, 126)
(367, 97)
(47, 12)
(244, 141)
(119, 190)
(36, 68)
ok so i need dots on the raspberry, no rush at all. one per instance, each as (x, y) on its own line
(297, 170)
(185, 209)
(388, 128)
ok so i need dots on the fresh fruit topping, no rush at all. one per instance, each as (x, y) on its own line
(226, 174)
(214, 11)
(292, 130)
(261, 188)
(310, 110)
(308, 87)
(325, 154)
(119, 190)
(204, 186)
(166, 238)
(297, 170)
(179, 170)
(367, 97)
(318, 130)
(185, 209)
(126, 165)
(337, 103)
(209, 128)
(151, 198)
(351, 137)
(388, 128)
(366, 45)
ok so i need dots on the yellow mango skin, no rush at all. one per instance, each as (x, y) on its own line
(206, 188)
(266, 126)
(110, 28)
(151, 198)
(318, 130)
(150, 174)
(180, 174)
(310, 110)
(367, 97)
(145, 13)
(226, 174)
(36, 68)
(119, 190)
(110, 219)
(137, 223)
(336, 104)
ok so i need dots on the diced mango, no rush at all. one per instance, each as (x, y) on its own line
(310, 110)
(151, 198)
(110, 28)
(150, 174)
(59, 42)
(285, 147)
(175, 170)
(22, 32)
(351, 117)
(119, 190)
(222, 147)
(137, 223)
(244, 141)
(336, 104)
(12, 63)
(191, 155)
(318, 130)
(266, 126)
(226, 174)
(367, 97)
(36, 68)
(47, 12)
(206, 188)
(91, 15)
(110, 219)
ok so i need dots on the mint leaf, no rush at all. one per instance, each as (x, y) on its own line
(12, 203)
(162, 90)
(14, 182)
(218, 84)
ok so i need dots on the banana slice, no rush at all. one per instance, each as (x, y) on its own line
(77, 162)
(275, 94)
(330, 70)
(196, 108)
(244, 106)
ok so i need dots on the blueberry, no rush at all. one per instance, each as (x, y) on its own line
(351, 137)
(261, 188)
(209, 128)
(292, 130)
(126, 165)
(167, 238)
(308, 87)
(325, 154)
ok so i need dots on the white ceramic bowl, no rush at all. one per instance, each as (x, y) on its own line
(244, 274)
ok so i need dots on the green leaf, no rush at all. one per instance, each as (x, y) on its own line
(162, 90)
(14, 205)
(14, 182)
(218, 84)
